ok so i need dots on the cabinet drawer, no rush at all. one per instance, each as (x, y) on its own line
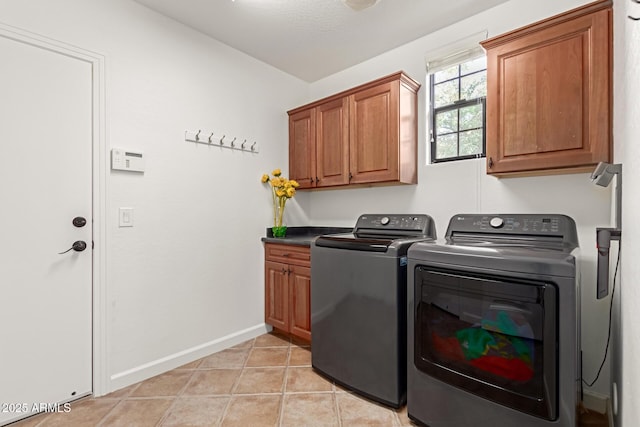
(289, 254)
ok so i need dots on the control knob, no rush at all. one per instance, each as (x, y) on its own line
(384, 220)
(496, 222)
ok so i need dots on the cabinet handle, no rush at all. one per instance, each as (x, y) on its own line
(311, 180)
(284, 270)
(317, 180)
(289, 271)
(490, 162)
(286, 254)
(350, 176)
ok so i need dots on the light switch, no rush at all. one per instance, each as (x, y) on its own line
(125, 217)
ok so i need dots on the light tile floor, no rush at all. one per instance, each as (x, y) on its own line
(266, 381)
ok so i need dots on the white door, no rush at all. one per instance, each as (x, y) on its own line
(45, 182)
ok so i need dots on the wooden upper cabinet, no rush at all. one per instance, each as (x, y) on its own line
(549, 98)
(365, 135)
(302, 147)
(374, 134)
(332, 143)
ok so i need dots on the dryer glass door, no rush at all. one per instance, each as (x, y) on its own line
(493, 337)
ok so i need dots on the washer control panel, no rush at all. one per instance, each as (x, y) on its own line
(417, 224)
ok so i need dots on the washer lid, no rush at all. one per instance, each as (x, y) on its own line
(368, 242)
(354, 242)
(380, 232)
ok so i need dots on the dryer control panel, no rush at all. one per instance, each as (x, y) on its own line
(514, 226)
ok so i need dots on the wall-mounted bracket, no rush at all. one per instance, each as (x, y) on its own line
(604, 236)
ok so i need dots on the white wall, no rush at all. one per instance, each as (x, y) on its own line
(626, 371)
(189, 274)
(463, 187)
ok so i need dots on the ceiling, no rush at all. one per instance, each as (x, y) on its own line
(312, 39)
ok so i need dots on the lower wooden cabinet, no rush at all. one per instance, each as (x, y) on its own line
(288, 289)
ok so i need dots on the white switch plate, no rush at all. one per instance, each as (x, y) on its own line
(125, 217)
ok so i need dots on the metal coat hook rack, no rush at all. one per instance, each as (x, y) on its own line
(220, 141)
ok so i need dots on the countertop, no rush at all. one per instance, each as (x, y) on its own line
(303, 236)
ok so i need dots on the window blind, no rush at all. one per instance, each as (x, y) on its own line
(455, 53)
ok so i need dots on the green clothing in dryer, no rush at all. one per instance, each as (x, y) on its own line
(475, 342)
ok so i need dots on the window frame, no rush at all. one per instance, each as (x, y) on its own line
(456, 105)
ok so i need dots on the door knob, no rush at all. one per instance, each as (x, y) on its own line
(77, 246)
(79, 221)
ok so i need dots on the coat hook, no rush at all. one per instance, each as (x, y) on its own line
(253, 146)
(222, 140)
(634, 18)
(233, 142)
(242, 145)
(210, 136)
(198, 135)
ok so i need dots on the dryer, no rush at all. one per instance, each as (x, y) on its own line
(494, 323)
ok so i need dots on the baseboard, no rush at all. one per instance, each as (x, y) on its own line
(596, 402)
(159, 366)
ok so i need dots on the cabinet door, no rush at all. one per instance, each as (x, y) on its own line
(374, 139)
(302, 147)
(276, 308)
(332, 143)
(548, 97)
(300, 301)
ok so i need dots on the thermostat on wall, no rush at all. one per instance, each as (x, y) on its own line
(125, 160)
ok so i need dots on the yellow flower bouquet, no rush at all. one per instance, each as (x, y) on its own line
(282, 189)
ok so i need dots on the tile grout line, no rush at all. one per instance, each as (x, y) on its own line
(236, 382)
(396, 418)
(176, 397)
(284, 385)
(337, 406)
(39, 423)
(120, 400)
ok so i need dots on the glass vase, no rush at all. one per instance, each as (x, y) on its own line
(280, 231)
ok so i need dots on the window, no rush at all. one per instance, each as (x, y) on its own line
(458, 108)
